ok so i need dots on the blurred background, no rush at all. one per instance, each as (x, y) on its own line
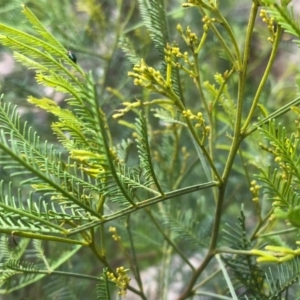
(91, 29)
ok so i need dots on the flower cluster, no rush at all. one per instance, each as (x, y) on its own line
(115, 235)
(190, 3)
(199, 117)
(270, 22)
(207, 22)
(121, 279)
(200, 122)
(147, 77)
(176, 58)
(284, 154)
(189, 37)
(254, 189)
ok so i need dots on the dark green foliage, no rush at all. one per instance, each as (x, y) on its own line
(154, 16)
(248, 276)
(281, 278)
(103, 288)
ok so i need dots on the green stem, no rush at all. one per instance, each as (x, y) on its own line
(211, 252)
(246, 171)
(279, 112)
(100, 116)
(276, 233)
(147, 150)
(220, 91)
(135, 265)
(198, 84)
(237, 138)
(44, 237)
(208, 154)
(201, 43)
(212, 137)
(243, 71)
(143, 204)
(260, 224)
(213, 296)
(233, 251)
(264, 79)
(170, 93)
(224, 45)
(204, 150)
(60, 273)
(174, 158)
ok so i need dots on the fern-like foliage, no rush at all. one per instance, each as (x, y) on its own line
(67, 192)
(282, 184)
(154, 17)
(168, 115)
(22, 264)
(23, 153)
(129, 50)
(260, 284)
(64, 192)
(103, 292)
(83, 132)
(245, 270)
(153, 14)
(281, 277)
